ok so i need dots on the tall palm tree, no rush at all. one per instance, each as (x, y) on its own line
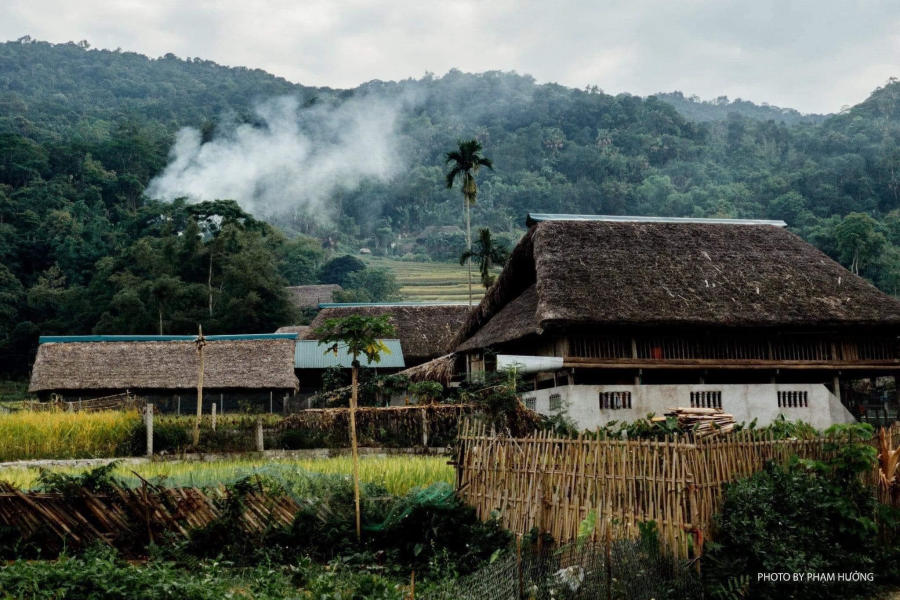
(466, 161)
(486, 254)
(357, 335)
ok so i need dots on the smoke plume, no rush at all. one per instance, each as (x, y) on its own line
(291, 159)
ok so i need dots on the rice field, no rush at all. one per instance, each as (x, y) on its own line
(397, 473)
(431, 281)
(26, 435)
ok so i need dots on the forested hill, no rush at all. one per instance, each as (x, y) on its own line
(83, 132)
(719, 109)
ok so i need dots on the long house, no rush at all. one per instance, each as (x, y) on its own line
(240, 371)
(612, 318)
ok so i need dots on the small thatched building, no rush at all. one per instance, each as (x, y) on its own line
(239, 370)
(615, 317)
(310, 296)
(425, 330)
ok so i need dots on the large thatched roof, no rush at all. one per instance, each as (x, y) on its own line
(310, 296)
(135, 365)
(577, 273)
(424, 330)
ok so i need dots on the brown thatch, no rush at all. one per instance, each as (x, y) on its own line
(310, 296)
(239, 364)
(424, 330)
(300, 330)
(600, 273)
(440, 369)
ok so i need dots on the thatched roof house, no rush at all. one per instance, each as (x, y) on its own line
(571, 272)
(425, 330)
(310, 296)
(87, 364)
(299, 330)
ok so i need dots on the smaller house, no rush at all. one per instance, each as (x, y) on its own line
(312, 359)
(239, 371)
(310, 296)
(424, 330)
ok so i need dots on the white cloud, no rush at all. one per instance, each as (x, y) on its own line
(814, 56)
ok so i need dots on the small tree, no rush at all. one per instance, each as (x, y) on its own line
(486, 254)
(360, 336)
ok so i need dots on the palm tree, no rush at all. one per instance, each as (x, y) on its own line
(466, 161)
(358, 335)
(485, 254)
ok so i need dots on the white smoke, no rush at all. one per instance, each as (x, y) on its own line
(293, 159)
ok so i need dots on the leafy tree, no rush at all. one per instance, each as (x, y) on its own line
(486, 255)
(466, 161)
(360, 336)
(369, 285)
(338, 269)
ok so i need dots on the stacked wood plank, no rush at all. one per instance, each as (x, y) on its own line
(703, 422)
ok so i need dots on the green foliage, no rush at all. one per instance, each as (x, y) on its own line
(360, 334)
(369, 285)
(426, 392)
(486, 254)
(338, 269)
(804, 517)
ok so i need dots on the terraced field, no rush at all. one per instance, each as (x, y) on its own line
(431, 281)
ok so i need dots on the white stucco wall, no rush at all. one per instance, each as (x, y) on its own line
(744, 401)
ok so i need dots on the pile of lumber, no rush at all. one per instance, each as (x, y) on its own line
(703, 422)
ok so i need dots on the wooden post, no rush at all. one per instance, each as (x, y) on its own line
(260, 440)
(148, 422)
(270, 402)
(354, 448)
(425, 426)
(222, 404)
(284, 404)
(178, 405)
(213, 416)
(201, 341)
(837, 387)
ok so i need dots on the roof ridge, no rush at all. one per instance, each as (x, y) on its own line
(533, 218)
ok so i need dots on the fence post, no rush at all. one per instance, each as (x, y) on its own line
(148, 422)
(284, 404)
(425, 426)
(178, 403)
(213, 416)
(222, 404)
(270, 402)
(260, 442)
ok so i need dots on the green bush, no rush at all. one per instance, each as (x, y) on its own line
(804, 517)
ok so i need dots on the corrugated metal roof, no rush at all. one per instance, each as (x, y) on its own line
(309, 354)
(533, 218)
(58, 339)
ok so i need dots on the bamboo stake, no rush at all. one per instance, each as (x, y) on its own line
(201, 342)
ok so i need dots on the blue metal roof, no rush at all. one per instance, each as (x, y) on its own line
(365, 304)
(310, 354)
(58, 339)
(533, 218)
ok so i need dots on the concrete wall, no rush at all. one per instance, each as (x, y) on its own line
(744, 401)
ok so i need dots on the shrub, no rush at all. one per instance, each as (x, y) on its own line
(807, 516)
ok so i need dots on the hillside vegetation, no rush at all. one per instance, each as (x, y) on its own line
(82, 133)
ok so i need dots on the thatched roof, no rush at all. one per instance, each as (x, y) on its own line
(310, 296)
(604, 273)
(300, 330)
(440, 369)
(424, 330)
(244, 364)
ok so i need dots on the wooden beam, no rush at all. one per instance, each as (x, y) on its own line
(701, 363)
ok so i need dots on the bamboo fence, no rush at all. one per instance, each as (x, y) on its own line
(123, 515)
(555, 484)
(124, 401)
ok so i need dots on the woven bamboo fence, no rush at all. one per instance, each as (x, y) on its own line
(124, 401)
(125, 515)
(554, 484)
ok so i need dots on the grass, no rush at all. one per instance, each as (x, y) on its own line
(29, 435)
(398, 474)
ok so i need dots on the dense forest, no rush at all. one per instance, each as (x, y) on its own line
(84, 132)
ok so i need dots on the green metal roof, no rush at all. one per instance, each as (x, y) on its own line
(59, 339)
(310, 354)
(533, 218)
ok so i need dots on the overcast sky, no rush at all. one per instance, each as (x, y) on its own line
(815, 56)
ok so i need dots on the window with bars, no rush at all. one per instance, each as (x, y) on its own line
(793, 399)
(555, 402)
(615, 400)
(529, 403)
(706, 399)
